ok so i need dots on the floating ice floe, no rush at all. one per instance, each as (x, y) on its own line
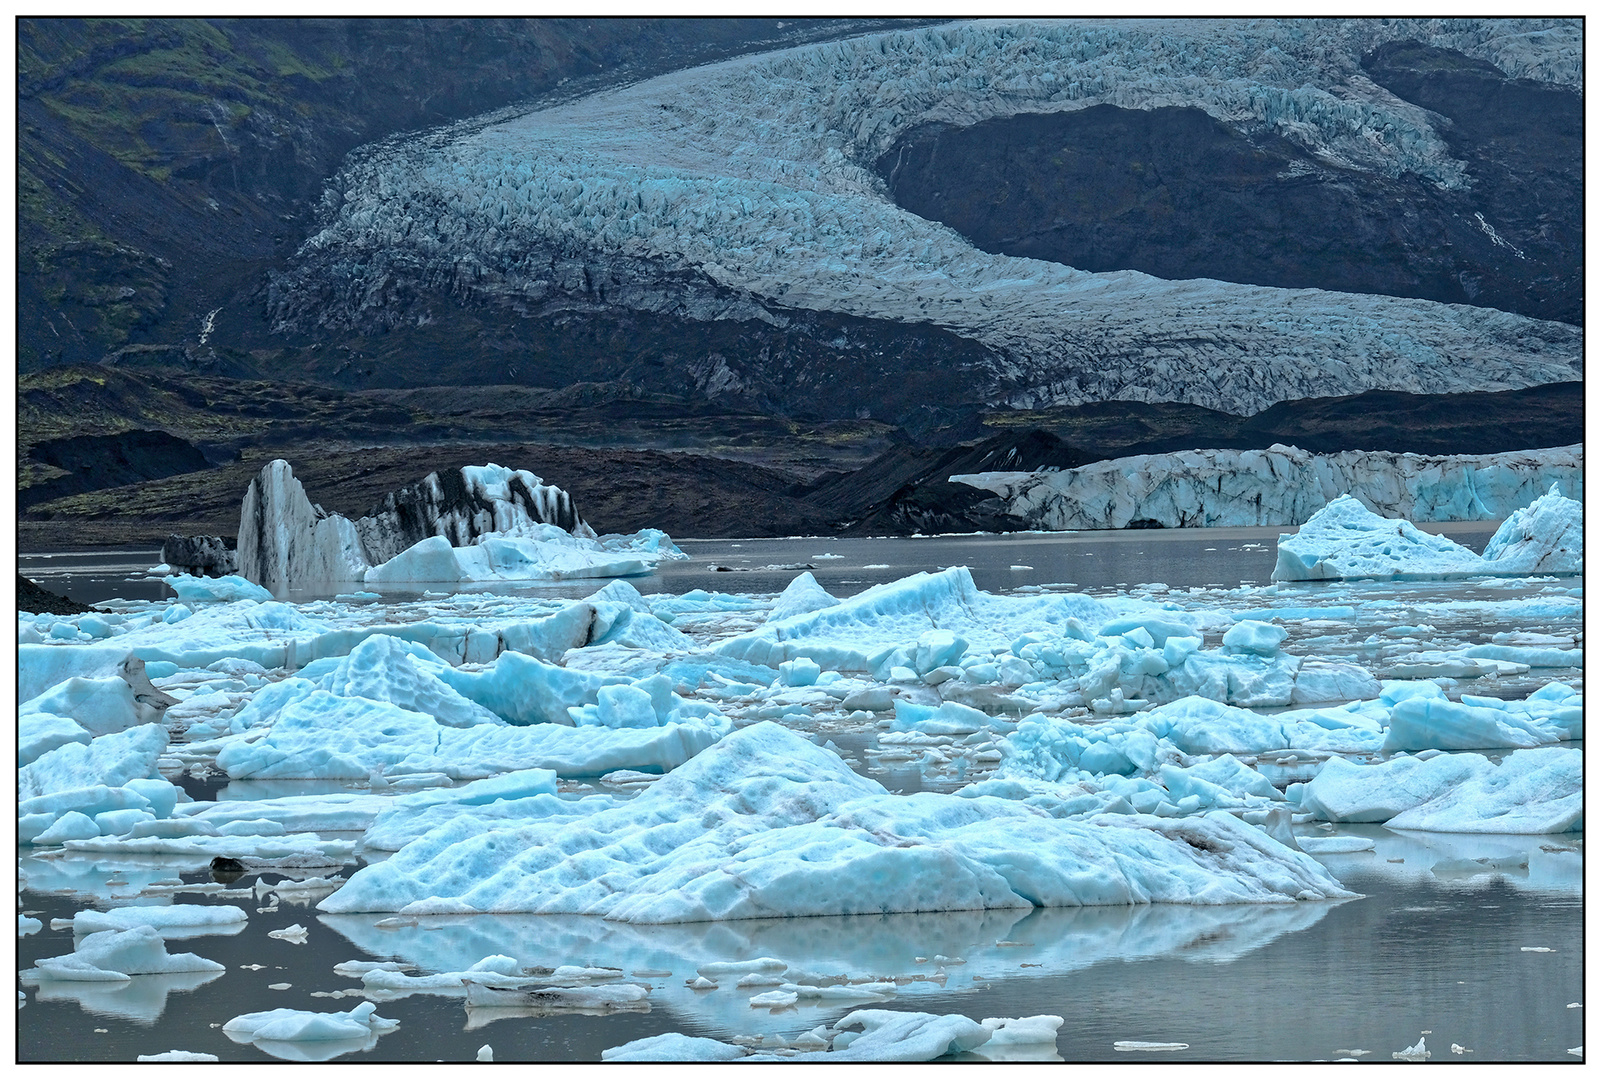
(1114, 655)
(331, 1034)
(114, 955)
(176, 1055)
(883, 1036)
(169, 920)
(214, 590)
(325, 736)
(1530, 791)
(765, 823)
(1347, 540)
(1284, 485)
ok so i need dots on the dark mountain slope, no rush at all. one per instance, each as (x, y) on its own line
(1174, 193)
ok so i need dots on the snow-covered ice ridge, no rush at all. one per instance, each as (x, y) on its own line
(1281, 485)
(738, 189)
(485, 523)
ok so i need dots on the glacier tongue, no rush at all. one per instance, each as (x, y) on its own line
(725, 191)
(1281, 485)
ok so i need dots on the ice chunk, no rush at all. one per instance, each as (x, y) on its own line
(1347, 540)
(1545, 537)
(765, 823)
(101, 706)
(39, 732)
(1531, 791)
(800, 596)
(39, 667)
(295, 1025)
(113, 955)
(214, 590)
(176, 1055)
(110, 760)
(171, 920)
(673, 1047)
(383, 668)
(1421, 723)
(1251, 636)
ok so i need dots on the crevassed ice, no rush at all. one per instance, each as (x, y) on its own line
(757, 173)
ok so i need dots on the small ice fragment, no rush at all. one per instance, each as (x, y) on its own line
(1535, 948)
(1354, 1053)
(1457, 1048)
(295, 934)
(177, 1055)
(1021, 567)
(1575, 1005)
(486, 1053)
(279, 986)
(1413, 1053)
(773, 999)
(1577, 1051)
(251, 967)
(938, 959)
(650, 973)
(701, 983)
(919, 959)
(1134, 1044)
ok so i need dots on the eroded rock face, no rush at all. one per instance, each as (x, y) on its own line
(286, 540)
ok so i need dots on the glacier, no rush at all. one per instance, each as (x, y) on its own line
(1282, 485)
(745, 189)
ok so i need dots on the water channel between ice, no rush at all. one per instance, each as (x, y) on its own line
(1475, 940)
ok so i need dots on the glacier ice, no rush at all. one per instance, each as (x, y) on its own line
(1545, 537)
(1530, 791)
(1282, 485)
(1347, 540)
(740, 189)
(481, 523)
(796, 822)
(114, 955)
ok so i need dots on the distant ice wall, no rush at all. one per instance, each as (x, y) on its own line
(1281, 486)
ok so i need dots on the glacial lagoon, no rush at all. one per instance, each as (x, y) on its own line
(1471, 941)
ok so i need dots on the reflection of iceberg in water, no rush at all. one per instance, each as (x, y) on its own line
(1545, 864)
(323, 1050)
(904, 947)
(141, 999)
(87, 877)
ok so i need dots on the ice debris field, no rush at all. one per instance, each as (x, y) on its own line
(630, 761)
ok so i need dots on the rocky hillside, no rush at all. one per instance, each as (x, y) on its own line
(165, 164)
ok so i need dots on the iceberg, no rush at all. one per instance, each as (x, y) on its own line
(765, 823)
(1545, 537)
(1530, 791)
(479, 523)
(1347, 540)
(114, 955)
(1282, 485)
